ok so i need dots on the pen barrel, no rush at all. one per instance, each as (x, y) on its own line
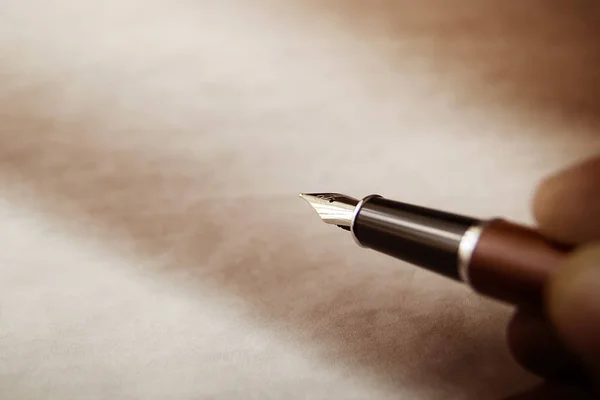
(498, 259)
(418, 235)
(513, 263)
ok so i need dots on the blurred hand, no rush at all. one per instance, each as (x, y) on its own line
(565, 343)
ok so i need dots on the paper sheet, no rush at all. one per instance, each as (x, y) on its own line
(153, 245)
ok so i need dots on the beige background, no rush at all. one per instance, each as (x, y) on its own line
(152, 244)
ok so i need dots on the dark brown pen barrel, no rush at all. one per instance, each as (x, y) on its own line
(508, 262)
(421, 236)
(513, 263)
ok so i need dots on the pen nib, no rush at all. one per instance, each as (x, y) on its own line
(333, 208)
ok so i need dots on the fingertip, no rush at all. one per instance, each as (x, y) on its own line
(566, 204)
(535, 345)
(543, 202)
(573, 301)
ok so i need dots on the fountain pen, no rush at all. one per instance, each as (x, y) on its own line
(497, 258)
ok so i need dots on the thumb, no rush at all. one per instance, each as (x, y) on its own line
(574, 305)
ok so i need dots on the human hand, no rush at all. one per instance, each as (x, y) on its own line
(564, 344)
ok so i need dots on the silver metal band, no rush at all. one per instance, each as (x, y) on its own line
(465, 250)
(359, 206)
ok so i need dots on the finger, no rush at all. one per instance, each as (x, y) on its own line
(535, 345)
(554, 392)
(574, 304)
(567, 205)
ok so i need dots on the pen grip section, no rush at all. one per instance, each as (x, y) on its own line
(421, 236)
(512, 263)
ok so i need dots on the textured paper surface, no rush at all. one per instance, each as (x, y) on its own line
(153, 245)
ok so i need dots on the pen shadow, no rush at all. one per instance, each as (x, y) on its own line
(388, 321)
(539, 57)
